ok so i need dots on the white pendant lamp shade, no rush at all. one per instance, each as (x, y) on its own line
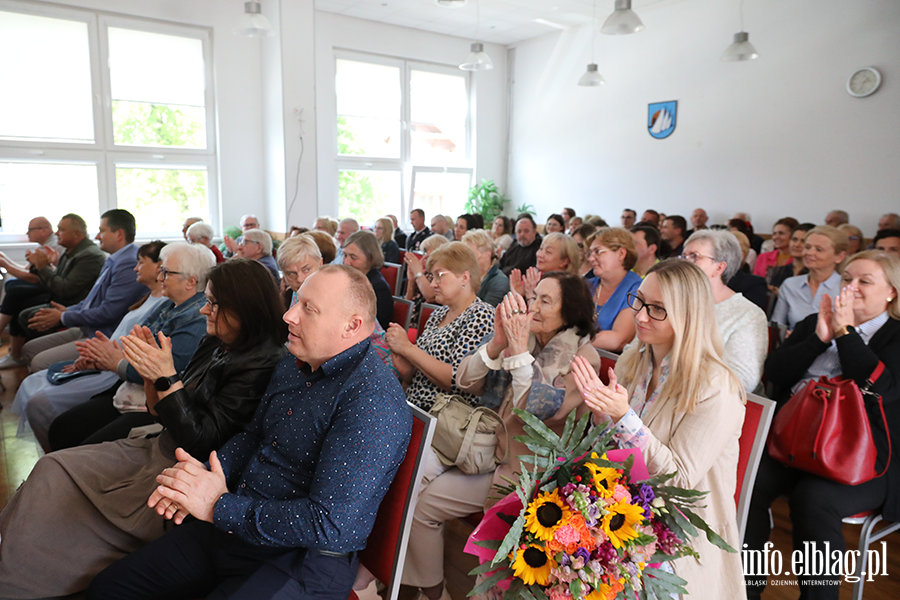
(591, 77)
(741, 49)
(478, 60)
(623, 20)
(253, 23)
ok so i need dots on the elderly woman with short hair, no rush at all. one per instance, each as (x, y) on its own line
(494, 282)
(327, 225)
(742, 323)
(384, 231)
(256, 244)
(558, 252)
(362, 251)
(298, 258)
(201, 233)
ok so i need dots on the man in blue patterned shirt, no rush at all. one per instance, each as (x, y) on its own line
(283, 507)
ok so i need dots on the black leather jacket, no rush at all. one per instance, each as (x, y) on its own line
(221, 392)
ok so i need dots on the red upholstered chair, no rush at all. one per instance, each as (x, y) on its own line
(391, 274)
(607, 360)
(402, 312)
(424, 313)
(385, 551)
(757, 419)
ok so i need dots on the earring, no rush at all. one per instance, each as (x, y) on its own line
(889, 300)
(464, 287)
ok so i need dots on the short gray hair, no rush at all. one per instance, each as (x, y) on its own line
(481, 239)
(433, 242)
(724, 248)
(200, 230)
(261, 237)
(292, 250)
(369, 245)
(352, 222)
(196, 260)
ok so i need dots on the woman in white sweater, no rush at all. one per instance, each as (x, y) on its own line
(742, 324)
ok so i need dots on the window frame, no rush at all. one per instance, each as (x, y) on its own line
(103, 152)
(404, 164)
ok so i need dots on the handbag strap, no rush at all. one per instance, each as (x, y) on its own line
(876, 373)
(472, 429)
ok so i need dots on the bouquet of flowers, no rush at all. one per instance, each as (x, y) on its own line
(581, 526)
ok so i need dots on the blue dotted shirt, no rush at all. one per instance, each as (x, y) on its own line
(323, 447)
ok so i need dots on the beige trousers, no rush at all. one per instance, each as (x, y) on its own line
(49, 349)
(450, 495)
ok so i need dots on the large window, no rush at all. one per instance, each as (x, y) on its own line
(99, 111)
(403, 137)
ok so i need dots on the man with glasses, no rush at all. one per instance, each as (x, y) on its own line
(115, 290)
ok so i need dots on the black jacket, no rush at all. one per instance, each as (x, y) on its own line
(787, 364)
(753, 287)
(384, 297)
(221, 391)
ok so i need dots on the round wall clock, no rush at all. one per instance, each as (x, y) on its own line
(863, 82)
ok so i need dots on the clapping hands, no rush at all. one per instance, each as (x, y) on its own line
(603, 400)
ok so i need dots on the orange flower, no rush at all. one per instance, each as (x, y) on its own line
(577, 521)
(571, 548)
(554, 546)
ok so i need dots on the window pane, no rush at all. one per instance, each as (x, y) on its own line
(161, 199)
(29, 190)
(45, 70)
(158, 84)
(438, 108)
(367, 195)
(441, 193)
(368, 109)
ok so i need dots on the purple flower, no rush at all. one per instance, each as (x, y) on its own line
(583, 554)
(643, 496)
(666, 541)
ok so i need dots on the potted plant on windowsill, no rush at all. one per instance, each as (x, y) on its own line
(485, 199)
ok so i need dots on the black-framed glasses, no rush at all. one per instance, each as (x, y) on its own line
(164, 272)
(212, 304)
(695, 256)
(654, 311)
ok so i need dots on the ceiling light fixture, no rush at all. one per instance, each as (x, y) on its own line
(451, 3)
(741, 48)
(592, 76)
(478, 60)
(253, 23)
(623, 20)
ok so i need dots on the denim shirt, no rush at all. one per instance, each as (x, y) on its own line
(312, 467)
(182, 324)
(114, 291)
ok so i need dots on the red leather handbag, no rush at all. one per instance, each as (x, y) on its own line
(824, 430)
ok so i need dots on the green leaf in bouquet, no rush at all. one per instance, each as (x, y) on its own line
(677, 492)
(682, 521)
(578, 432)
(662, 583)
(567, 429)
(490, 582)
(511, 540)
(538, 593)
(598, 439)
(661, 557)
(535, 441)
(575, 588)
(526, 593)
(658, 479)
(508, 519)
(537, 425)
(487, 567)
(542, 462)
(489, 544)
(538, 449)
(564, 474)
(714, 538)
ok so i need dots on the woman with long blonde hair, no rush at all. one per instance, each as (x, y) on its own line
(673, 397)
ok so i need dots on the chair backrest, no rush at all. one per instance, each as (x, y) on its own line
(425, 311)
(385, 550)
(391, 274)
(607, 361)
(402, 312)
(757, 419)
(402, 255)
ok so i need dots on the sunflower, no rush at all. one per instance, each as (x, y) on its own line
(605, 479)
(533, 565)
(619, 522)
(546, 514)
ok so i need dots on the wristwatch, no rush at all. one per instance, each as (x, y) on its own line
(164, 383)
(419, 274)
(844, 331)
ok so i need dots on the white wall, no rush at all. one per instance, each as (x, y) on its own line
(774, 137)
(238, 92)
(347, 33)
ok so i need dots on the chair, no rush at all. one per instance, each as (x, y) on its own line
(385, 550)
(755, 431)
(391, 274)
(868, 520)
(607, 361)
(402, 312)
(425, 312)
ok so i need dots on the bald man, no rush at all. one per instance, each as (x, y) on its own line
(285, 506)
(40, 232)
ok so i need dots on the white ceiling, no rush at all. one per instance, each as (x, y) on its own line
(501, 21)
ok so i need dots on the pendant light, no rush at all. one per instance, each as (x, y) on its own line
(741, 48)
(253, 23)
(477, 60)
(592, 76)
(623, 20)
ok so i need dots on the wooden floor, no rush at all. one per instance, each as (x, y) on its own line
(18, 455)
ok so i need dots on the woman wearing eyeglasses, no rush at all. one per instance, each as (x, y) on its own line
(612, 253)
(83, 508)
(673, 397)
(103, 367)
(742, 324)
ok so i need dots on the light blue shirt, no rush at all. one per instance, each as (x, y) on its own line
(338, 257)
(795, 299)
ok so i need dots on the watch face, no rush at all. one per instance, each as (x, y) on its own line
(863, 82)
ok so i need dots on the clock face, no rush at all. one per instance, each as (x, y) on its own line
(863, 82)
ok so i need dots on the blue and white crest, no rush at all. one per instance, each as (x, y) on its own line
(661, 118)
